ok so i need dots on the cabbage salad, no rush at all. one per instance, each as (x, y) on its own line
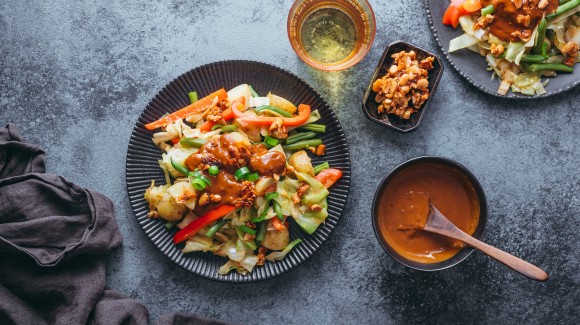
(522, 41)
(237, 170)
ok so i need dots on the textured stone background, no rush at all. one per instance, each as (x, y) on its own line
(75, 75)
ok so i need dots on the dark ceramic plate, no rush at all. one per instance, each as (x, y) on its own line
(369, 105)
(142, 166)
(473, 66)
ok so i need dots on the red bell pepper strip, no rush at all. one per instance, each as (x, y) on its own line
(189, 110)
(301, 118)
(458, 8)
(227, 115)
(192, 229)
(329, 176)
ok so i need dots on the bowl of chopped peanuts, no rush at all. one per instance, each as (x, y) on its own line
(402, 86)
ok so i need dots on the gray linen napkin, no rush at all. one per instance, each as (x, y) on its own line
(54, 239)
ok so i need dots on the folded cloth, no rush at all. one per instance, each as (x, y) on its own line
(54, 239)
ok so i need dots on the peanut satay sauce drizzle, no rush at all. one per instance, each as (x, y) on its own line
(230, 156)
(404, 208)
(505, 23)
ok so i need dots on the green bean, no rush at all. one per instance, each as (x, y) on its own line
(531, 58)
(262, 228)
(564, 8)
(303, 144)
(193, 97)
(278, 209)
(274, 109)
(537, 49)
(321, 167)
(318, 128)
(247, 230)
(229, 128)
(215, 228)
(561, 2)
(254, 93)
(545, 48)
(551, 66)
(487, 10)
(179, 167)
(192, 142)
(299, 137)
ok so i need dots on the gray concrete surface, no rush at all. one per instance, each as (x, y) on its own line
(75, 75)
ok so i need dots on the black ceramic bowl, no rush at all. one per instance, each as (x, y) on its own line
(369, 105)
(462, 254)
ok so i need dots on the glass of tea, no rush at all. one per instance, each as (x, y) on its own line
(331, 35)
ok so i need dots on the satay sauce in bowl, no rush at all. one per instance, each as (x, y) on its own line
(401, 208)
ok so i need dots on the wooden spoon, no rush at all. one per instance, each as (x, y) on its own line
(437, 223)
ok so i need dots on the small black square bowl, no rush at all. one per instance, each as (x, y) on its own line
(369, 105)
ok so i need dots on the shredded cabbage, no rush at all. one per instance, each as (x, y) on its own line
(462, 42)
(200, 243)
(278, 256)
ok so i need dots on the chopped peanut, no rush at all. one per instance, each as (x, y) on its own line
(404, 89)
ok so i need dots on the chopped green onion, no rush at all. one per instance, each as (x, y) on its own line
(197, 183)
(270, 142)
(192, 142)
(247, 230)
(271, 195)
(321, 167)
(318, 128)
(171, 224)
(253, 177)
(213, 170)
(262, 228)
(198, 174)
(215, 228)
(242, 173)
(229, 128)
(278, 210)
(303, 144)
(274, 109)
(179, 167)
(254, 93)
(300, 137)
(262, 216)
(487, 10)
(193, 97)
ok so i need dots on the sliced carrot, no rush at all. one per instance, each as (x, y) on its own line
(175, 141)
(206, 126)
(470, 6)
(329, 176)
(227, 115)
(189, 110)
(278, 225)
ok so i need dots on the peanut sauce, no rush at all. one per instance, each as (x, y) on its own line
(229, 155)
(404, 208)
(505, 21)
(267, 163)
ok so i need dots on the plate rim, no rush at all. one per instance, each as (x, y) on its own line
(510, 95)
(278, 271)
